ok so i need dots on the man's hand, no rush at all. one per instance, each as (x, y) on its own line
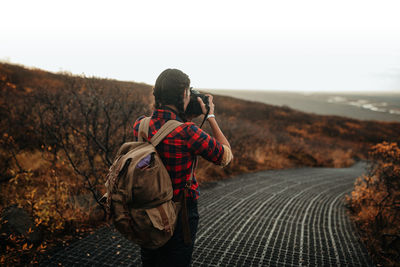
(210, 104)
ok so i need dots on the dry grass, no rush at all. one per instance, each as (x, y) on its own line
(261, 136)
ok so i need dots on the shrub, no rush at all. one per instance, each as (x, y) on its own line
(375, 204)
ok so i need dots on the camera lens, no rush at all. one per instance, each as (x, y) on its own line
(194, 108)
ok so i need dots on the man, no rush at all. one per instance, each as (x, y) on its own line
(177, 151)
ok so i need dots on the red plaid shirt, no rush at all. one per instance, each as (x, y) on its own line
(178, 149)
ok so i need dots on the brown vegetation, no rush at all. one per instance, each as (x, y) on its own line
(58, 139)
(375, 204)
(59, 134)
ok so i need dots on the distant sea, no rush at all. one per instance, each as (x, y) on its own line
(362, 106)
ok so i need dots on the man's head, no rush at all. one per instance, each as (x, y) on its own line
(172, 88)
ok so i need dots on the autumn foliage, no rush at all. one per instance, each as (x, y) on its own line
(57, 143)
(59, 134)
(375, 204)
(46, 198)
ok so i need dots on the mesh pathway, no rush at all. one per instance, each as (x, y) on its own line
(292, 217)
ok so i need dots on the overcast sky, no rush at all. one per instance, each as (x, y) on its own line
(274, 45)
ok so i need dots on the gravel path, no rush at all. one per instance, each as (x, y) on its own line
(292, 217)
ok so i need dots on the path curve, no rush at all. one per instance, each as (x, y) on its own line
(293, 217)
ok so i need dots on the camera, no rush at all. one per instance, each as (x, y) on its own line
(194, 108)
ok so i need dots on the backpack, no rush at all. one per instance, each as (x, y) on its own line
(139, 190)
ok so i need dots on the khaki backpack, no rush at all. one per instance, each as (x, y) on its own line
(139, 190)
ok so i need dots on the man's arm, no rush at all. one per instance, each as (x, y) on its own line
(216, 131)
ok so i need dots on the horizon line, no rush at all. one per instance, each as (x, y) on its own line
(5, 61)
(302, 91)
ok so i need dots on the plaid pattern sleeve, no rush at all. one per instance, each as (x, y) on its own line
(204, 145)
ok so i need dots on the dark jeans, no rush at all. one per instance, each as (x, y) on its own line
(174, 252)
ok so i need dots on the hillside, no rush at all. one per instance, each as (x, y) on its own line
(262, 136)
(377, 106)
(60, 133)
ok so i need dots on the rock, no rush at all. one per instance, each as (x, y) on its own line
(17, 221)
(84, 202)
(97, 214)
(89, 205)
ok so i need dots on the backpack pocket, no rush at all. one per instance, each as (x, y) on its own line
(164, 217)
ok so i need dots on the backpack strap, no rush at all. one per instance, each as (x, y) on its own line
(144, 129)
(165, 130)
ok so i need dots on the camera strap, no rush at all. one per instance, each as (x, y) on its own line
(205, 117)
